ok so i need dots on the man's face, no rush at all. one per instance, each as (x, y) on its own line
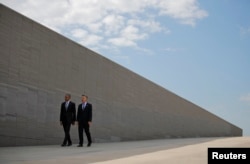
(66, 97)
(84, 99)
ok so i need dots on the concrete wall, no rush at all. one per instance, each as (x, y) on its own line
(38, 66)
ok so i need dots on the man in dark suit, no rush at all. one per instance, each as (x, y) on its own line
(67, 117)
(84, 118)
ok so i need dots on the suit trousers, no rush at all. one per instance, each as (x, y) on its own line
(84, 126)
(66, 128)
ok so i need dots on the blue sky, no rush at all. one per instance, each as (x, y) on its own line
(197, 49)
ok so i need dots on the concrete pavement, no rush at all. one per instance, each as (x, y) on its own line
(178, 151)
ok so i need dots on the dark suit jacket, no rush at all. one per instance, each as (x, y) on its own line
(69, 115)
(84, 116)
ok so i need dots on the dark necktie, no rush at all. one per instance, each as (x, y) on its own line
(66, 105)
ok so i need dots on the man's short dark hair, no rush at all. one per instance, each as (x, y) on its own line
(67, 94)
(85, 96)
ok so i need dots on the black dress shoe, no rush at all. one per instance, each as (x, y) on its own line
(80, 145)
(69, 144)
(63, 145)
(89, 144)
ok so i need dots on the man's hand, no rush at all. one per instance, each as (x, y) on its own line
(89, 123)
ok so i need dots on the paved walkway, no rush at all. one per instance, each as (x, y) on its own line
(177, 151)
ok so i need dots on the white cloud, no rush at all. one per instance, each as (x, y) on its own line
(132, 33)
(186, 11)
(122, 42)
(113, 24)
(148, 25)
(128, 37)
(79, 33)
(119, 23)
(85, 38)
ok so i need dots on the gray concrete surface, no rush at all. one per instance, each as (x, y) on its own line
(177, 151)
(38, 66)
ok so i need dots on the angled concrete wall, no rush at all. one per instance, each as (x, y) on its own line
(38, 66)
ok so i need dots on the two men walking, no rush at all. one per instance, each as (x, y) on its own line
(83, 118)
